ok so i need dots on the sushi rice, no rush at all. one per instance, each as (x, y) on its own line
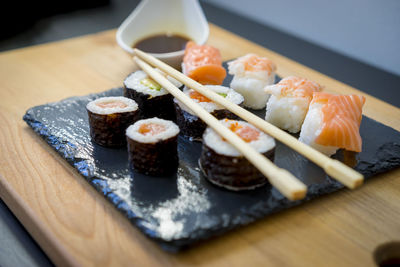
(141, 82)
(229, 94)
(311, 129)
(332, 122)
(226, 167)
(251, 74)
(153, 100)
(262, 144)
(94, 108)
(287, 107)
(171, 129)
(153, 146)
(108, 119)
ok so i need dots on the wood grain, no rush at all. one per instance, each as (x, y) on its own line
(77, 227)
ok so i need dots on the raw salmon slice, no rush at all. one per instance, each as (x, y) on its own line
(203, 63)
(341, 119)
(254, 63)
(298, 87)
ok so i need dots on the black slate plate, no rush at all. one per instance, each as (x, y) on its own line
(180, 210)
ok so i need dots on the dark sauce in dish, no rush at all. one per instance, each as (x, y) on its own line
(390, 263)
(162, 43)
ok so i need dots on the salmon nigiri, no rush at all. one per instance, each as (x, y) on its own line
(333, 122)
(288, 105)
(251, 74)
(203, 63)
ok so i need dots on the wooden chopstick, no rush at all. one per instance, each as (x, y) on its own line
(283, 180)
(332, 167)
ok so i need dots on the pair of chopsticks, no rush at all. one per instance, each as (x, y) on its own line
(283, 180)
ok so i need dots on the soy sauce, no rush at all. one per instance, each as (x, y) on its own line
(162, 43)
(390, 263)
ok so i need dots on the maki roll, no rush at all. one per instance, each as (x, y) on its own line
(203, 63)
(108, 119)
(333, 122)
(289, 101)
(152, 146)
(153, 100)
(192, 126)
(224, 166)
(251, 74)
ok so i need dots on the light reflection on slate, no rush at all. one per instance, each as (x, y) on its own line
(185, 208)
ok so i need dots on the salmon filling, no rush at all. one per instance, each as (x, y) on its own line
(112, 104)
(151, 129)
(247, 133)
(201, 98)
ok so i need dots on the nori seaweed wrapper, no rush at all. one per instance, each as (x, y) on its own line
(109, 129)
(156, 159)
(234, 173)
(158, 106)
(192, 126)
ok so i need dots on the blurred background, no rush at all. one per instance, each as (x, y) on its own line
(356, 42)
(366, 30)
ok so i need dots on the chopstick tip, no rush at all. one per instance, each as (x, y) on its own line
(298, 195)
(344, 174)
(359, 182)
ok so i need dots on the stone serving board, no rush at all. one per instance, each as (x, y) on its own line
(182, 209)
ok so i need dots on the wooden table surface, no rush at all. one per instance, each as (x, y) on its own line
(76, 226)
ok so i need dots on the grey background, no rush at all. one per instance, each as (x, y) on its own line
(366, 30)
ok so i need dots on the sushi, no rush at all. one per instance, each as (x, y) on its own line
(333, 122)
(192, 126)
(288, 104)
(203, 63)
(224, 166)
(108, 119)
(152, 146)
(251, 74)
(153, 100)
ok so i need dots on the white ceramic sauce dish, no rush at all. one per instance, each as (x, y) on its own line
(152, 17)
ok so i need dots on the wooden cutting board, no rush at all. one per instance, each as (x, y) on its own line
(74, 224)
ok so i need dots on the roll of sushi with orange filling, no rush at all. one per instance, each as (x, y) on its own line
(153, 100)
(224, 166)
(251, 74)
(288, 105)
(203, 63)
(108, 119)
(152, 146)
(333, 122)
(192, 126)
